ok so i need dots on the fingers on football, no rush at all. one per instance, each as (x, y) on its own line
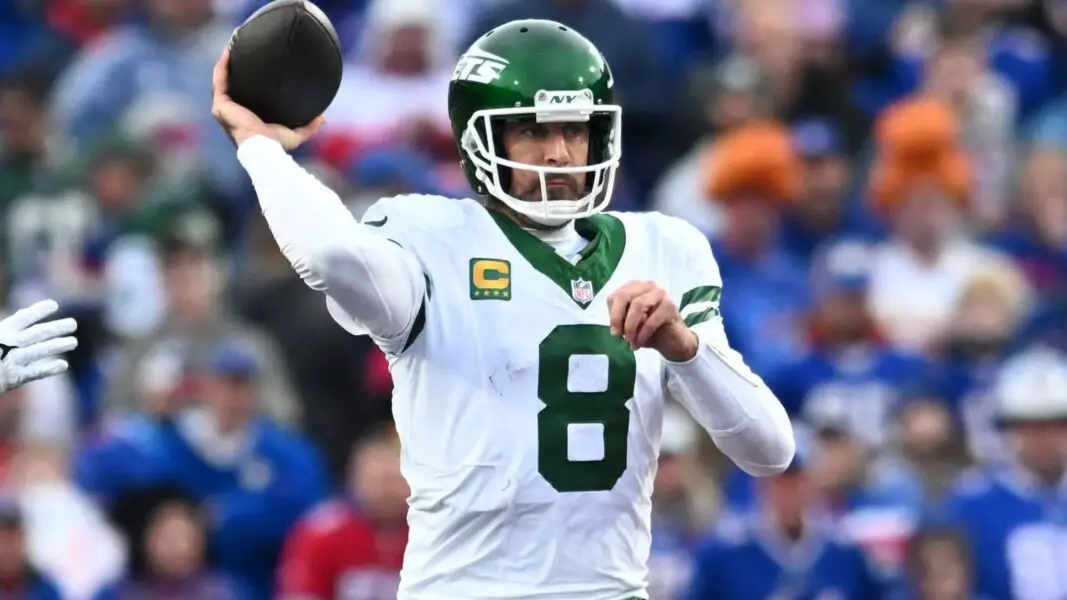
(641, 308)
(619, 303)
(25, 317)
(46, 331)
(218, 76)
(43, 350)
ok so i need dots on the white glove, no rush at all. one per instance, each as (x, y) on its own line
(29, 349)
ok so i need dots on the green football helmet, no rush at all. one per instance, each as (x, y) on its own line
(543, 71)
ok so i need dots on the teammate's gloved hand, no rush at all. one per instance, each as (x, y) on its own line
(240, 123)
(29, 349)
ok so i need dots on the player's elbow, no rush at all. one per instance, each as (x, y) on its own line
(771, 455)
(780, 457)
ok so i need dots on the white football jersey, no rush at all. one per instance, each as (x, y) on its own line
(529, 433)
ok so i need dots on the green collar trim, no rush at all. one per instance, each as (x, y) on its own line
(596, 263)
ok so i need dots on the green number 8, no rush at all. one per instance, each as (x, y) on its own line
(564, 407)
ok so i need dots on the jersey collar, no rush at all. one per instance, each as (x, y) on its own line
(792, 555)
(1026, 485)
(597, 262)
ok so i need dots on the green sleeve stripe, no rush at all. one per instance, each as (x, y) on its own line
(416, 327)
(420, 319)
(704, 293)
(701, 317)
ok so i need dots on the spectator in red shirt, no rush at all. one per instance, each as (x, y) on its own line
(351, 548)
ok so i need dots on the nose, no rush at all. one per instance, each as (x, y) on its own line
(556, 152)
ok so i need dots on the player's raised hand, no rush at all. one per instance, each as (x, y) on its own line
(30, 349)
(646, 317)
(241, 123)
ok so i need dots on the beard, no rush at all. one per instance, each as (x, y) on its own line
(567, 187)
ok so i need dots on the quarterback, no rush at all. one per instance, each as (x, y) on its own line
(532, 336)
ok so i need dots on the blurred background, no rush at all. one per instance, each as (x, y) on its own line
(884, 183)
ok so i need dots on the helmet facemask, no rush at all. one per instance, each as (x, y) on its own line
(482, 142)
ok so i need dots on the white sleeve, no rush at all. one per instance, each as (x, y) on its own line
(375, 282)
(735, 406)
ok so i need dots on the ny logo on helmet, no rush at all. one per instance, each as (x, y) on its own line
(479, 66)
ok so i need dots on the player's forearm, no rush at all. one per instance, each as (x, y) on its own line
(366, 275)
(743, 416)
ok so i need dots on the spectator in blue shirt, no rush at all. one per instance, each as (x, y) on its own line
(756, 175)
(253, 478)
(785, 548)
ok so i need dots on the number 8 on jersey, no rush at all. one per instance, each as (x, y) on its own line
(571, 357)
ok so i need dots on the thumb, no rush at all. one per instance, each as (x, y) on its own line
(227, 111)
(313, 127)
(288, 138)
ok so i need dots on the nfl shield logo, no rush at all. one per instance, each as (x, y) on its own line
(582, 290)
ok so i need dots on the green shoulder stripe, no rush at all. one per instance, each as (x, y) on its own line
(703, 293)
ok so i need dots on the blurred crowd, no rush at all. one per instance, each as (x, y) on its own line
(884, 183)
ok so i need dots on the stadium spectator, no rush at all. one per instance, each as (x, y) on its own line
(755, 173)
(18, 578)
(352, 547)
(940, 567)
(869, 497)
(252, 478)
(1011, 510)
(326, 362)
(849, 363)
(1035, 236)
(921, 186)
(783, 547)
(59, 239)
(390, 90)
(977, 340)
(823, 209)
(960, 74)
(67, 534)
(24, 143)
(875, 498)
(929, 439)
(197, 320)
(160, 59)
(726, 94)
(169, 552)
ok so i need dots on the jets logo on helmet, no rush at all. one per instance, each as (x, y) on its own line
(479, 66)
(548, 73)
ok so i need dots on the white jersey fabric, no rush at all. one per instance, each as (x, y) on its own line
(529, 433)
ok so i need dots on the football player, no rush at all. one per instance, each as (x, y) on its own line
(532, 336)
(30, 349)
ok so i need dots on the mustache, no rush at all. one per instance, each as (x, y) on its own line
(568, 180)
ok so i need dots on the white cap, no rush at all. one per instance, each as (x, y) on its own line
(1032, 386)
